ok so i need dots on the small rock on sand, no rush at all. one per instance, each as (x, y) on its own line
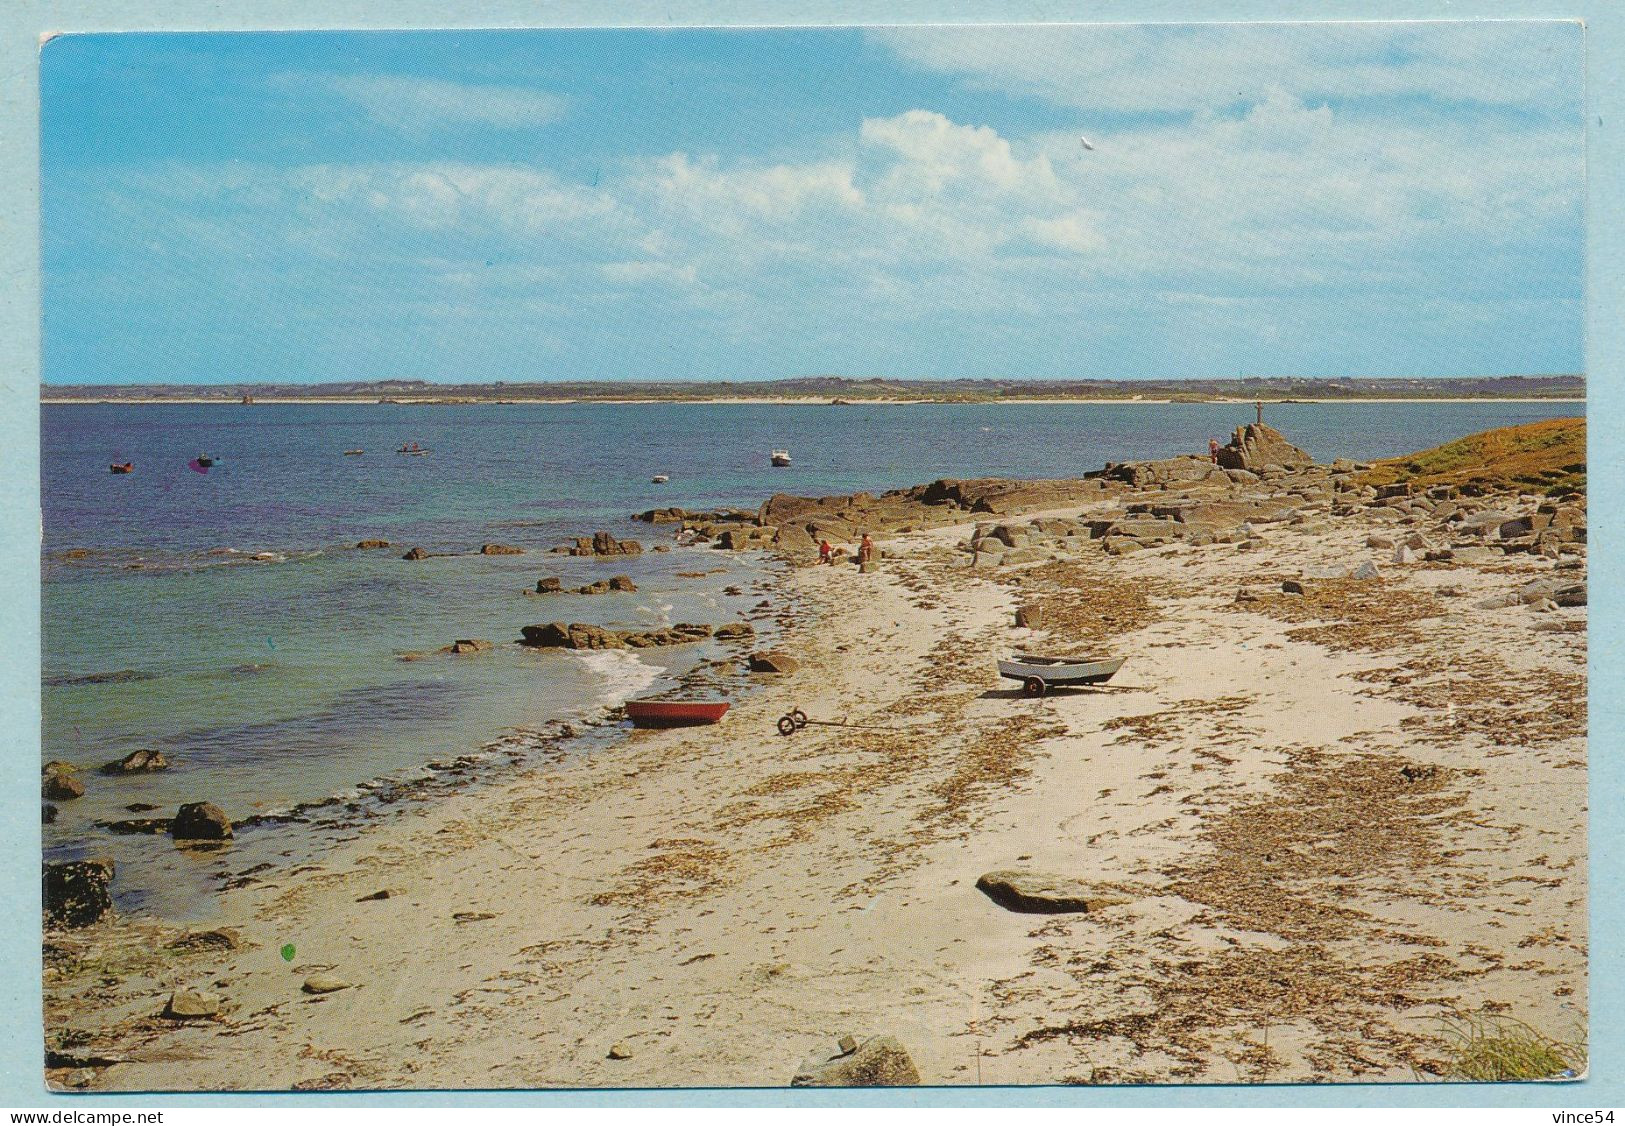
(200, 821)
(323, 983)
(1036, 893)
(192, 1004)
(880, 1061)
(619, 1051)
(773, 661)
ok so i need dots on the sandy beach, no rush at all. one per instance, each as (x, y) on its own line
(1318, 830)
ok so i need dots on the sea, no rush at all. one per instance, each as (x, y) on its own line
(225, 618)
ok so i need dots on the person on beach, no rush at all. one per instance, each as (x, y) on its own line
(866, 550)
(1213, 450)
(824, 551)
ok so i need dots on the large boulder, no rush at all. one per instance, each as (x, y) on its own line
(1036, 893)
(773, 661)
(76, 892)
(880, 1061)
(60, 785)
(1169, 471)
(200, 821)
(795, 540)
(1256, 445)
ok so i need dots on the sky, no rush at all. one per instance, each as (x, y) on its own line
(1292, 199)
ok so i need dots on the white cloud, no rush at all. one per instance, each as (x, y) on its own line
(421, 105)
(1152, 68)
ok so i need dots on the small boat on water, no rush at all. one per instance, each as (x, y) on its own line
(780, 459)
(1039, 673)
(127, 467)
(674, 713)
(354, 453)
(412, 448)
(205, 460)
(659, 479)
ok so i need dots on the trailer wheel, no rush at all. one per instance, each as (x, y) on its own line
(787, 725)
(1033, 686)
(799, 717)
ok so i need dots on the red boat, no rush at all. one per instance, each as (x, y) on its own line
(674, 713)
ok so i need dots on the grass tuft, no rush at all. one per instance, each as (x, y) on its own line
(1490, 1049)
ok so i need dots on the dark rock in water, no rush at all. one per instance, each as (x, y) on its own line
(773, 661)
(500, 549)
(370, 545)
(602, 543)
(470, 645)
(599, 587)
(61, 786)
(57, 766)
(47, 814)
(137, 762)
(576, 635)
(76, 892)
(623, 583)
(1035, 893)
(662, 516)
(683, 633)
(200, 821)
(121, 676)
(735, 631)
(415, 554)
(137, 825)
(880, 1061)
(1256, 445)
(550, 585)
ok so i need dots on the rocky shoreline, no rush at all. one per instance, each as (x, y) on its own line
(1130, 884)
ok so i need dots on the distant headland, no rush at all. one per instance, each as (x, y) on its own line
(837, 391)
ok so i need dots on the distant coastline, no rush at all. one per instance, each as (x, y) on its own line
(843, 392)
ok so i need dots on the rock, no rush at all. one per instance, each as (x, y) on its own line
(1030, 616)
(577, 635)
(549, 585)
(1571, 595)
(382, 893)
(602, 543)
(1561, 625)
(217, 938)
(48, 814)
(470, 645)
(76, 892)
(137, 762)
(1247, 594)
(415, 554)
(1472, 555)
(619, 1051)
(1381, 542)
(1121, 545)
(152, 826)
(1035, 893)
(56, 786)
(880, 1061)
(795, 540)
(1291, 586)
(623, 583)
(324, 983)
(1257, 445)
(735, 631)
(200, 821)
(599, 587)
(773, 661)
(987, 560)
(1366, 570)
(500, 549)
(1011, 558)
(1403, 555)
(372, 545)
(192, 1004)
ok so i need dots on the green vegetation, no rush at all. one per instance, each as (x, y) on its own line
(1490, 1049)
(1543, 457)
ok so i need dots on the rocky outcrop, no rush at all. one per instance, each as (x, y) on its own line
(620, 583)
(137, 762)
(78, 893)
(500, 549)
(602, 543)
(549, 585)
(200, 821)
(1257, 445)
(735, 631)
(1036, 893)
(579, 635)
(469, 645)
(880, 1061)
(192, 1004)
(1143, 474)
(415, 554)
(372, 545)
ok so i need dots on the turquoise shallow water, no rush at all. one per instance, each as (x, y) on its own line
(275, 681)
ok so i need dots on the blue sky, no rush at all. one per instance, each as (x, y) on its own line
(1322, 200)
